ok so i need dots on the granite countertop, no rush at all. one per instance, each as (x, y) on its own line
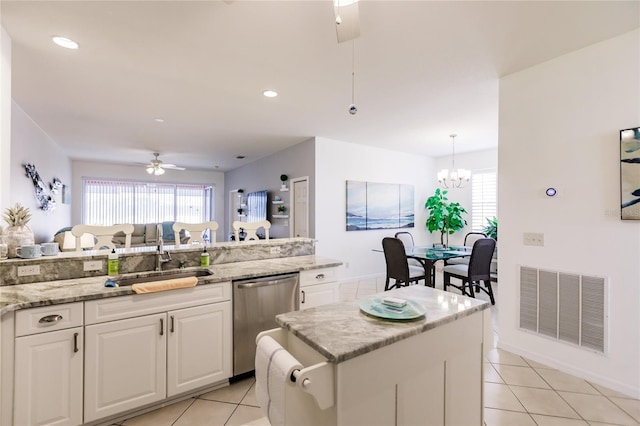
(64, 291)
(341, 331)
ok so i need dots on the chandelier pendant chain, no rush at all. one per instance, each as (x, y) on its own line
(353, 109)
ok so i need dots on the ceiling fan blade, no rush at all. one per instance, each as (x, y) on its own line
(172, 166)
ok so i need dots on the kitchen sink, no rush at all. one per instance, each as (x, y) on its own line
(161, 276)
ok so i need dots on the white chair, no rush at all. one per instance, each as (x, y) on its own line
(195, 231)
(407, 241)
(250, 228)
(103, 235)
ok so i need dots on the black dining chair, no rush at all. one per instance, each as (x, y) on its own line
(397, 265)
(469, 240)
(476, 273)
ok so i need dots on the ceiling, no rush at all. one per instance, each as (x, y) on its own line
(423, 70)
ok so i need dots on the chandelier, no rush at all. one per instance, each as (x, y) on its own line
(454, 178)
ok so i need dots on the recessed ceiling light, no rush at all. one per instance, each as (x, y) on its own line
(64, 42)
(158, 120)
(270, 93)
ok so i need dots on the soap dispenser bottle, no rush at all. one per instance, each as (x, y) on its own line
(204, 257)
(112, 263)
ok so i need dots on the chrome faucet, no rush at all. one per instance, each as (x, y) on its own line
(162, 256)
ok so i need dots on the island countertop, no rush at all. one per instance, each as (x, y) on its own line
(342, 331)
(24, 296)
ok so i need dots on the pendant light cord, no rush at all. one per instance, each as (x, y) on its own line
(353, 72)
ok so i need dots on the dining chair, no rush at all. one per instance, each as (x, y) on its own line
(103, 235)
(477, 272)
(469, 240)
(195, 231)
(250, 228)
(397, 265)
(407, 240)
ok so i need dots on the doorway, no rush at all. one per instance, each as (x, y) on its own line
(299, 202)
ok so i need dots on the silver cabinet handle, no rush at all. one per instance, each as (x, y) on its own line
(75, 342)
(50, 319)
(303, 296)
(162, 326)
(319, 276)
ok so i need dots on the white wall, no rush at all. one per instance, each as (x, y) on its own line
(559, 124)
(338, 162)
(5, 119)
(29, 144)
(88, 169)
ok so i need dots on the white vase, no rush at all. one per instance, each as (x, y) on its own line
(16, 236)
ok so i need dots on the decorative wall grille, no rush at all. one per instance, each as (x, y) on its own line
(563, 306)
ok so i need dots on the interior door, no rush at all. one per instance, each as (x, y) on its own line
(300, 204)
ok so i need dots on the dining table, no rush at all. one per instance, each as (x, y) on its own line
(429, 255)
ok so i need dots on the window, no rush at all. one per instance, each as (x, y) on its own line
(108, 202)
(484, 194)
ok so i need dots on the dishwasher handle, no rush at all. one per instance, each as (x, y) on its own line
(257, 284)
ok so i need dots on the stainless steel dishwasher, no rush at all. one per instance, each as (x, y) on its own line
(256, 302)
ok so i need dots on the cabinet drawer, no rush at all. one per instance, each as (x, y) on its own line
(48, 318)
(115, 308)
(317, 276)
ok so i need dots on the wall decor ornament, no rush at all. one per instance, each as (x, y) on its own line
(630, 174)
(372, 205)
(44, 199)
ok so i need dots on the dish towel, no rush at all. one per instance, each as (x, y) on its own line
(163, 285)
(274, 366)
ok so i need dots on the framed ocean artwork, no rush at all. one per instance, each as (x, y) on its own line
(372, 205)
(630, 174)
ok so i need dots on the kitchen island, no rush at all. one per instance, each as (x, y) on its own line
(363, 370)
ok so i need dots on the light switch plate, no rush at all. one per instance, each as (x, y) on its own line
(92, 265)
(25, 271)
(533, 239)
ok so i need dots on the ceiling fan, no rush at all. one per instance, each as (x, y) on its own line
(156, 166)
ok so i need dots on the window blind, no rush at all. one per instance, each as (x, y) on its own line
(484, 194)
(109, 202)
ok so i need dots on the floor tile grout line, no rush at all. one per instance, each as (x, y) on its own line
(184, 411)
(553, 390)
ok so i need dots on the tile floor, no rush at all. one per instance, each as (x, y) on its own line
(518, 392)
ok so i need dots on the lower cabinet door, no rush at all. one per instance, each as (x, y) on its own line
(125, 365)
(199, 347)
(318, 294)
(48, 378)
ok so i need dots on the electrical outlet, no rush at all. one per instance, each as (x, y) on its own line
(24, 271)
(92, 265)
(275, 250)
(533, 239)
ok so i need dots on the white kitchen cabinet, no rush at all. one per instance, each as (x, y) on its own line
(318, 287)
(198, 345)
(125, 365)
(48, 378)
(142, 349)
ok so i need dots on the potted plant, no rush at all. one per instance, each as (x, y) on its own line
(444, 216)
(282, 209)
(491, 229)
(240, 211)
(17, 233)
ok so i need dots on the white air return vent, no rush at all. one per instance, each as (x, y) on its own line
(563, 306)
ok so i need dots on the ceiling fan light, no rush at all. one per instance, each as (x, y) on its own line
(159, 171)
(150, 170)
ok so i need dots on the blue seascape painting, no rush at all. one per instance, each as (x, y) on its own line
(372, 205)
